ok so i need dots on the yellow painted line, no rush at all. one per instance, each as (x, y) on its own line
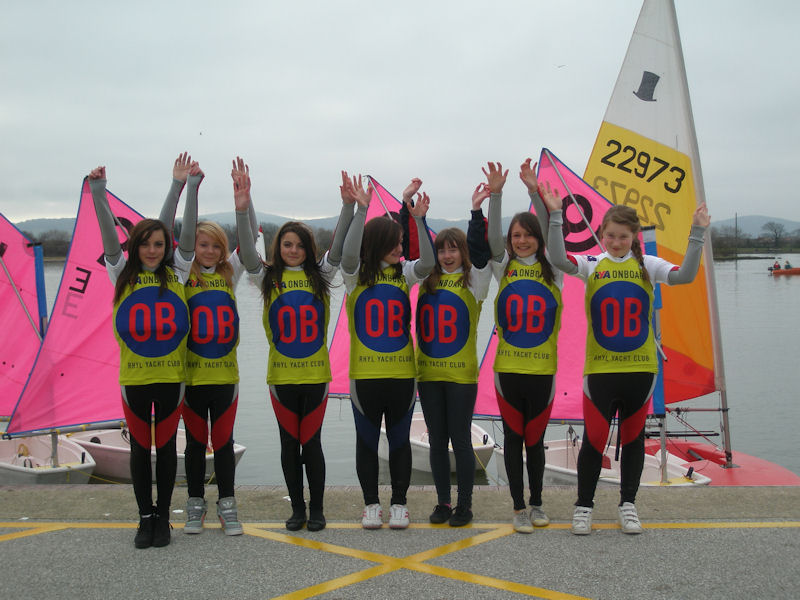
(35, 530)
(335, 584)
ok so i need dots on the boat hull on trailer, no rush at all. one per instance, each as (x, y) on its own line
(482, 445)
(26, 460)
(111, 450)
(561, 459)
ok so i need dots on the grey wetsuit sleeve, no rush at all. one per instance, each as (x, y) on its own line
(351, 251)
(112, 249)
(555, 249)
(253, 219)
(335, 252)
(497, 244)
(247, 243)
(541, 215)
(691, 260)
(427, 259)
(167, 216)
(189, 226)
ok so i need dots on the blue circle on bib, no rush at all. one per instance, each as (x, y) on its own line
(382, 318)
(442, 324)
(152, 322)
(297, 322)
(214, 324)
(620, 316)
(526, 313)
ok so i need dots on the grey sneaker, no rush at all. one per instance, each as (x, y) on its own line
(629, 519)
(398, 516)
(582, 520)
(196, 509)
(538, 518)
(228, 516)
(372, 517)
(522, 522)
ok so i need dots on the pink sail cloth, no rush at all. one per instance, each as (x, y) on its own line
(381, 203)
(578, 239)
(75, 379)
(21, 336)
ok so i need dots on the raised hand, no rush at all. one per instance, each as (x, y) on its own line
(550, 196)
(411, 189)
(183, 163)
(481, 193)
(240, 173)
(701, 216)
(495, 177)
(421, 205)
(194, 170)
(362, 195)
(347, 189)
(528, 175)
(98, 173)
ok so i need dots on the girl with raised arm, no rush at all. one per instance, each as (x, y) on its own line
(151, 323)
(527, 317)
(382, 369)
(621, 363)
(447, 312)
(296, 290)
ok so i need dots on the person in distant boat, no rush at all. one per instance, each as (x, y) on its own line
(151, 324)
(212, 372)
(786, 264)
(528, 317)
(621, 363)
(776, 265)
(448, 308)
(296, 290)
(382, 369)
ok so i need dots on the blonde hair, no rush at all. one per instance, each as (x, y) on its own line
(627, 217)
(223, 267)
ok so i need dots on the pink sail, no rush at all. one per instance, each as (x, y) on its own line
(19, 312)
(578, 239)
(75, 379)
(381, 203)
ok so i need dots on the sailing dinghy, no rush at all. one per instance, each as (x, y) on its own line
(23, 311)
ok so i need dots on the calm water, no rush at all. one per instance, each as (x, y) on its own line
(760, 326)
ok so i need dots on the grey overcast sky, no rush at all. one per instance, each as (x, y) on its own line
(429, 89)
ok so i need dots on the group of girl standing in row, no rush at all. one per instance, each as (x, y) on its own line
(164, 300)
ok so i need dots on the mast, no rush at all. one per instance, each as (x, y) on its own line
(708, 254)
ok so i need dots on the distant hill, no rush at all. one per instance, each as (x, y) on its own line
(752, 224)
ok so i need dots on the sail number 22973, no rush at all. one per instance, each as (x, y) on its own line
(621, 158)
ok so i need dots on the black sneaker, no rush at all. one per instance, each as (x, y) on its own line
(161, 534)
(144, 535)
(316, 520)
(461, 516)
(297, 520)
(440, 514)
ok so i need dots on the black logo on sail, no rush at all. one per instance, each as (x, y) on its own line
(647, 87)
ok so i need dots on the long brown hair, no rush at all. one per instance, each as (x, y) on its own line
(627, 217)
(381, 236)
(530, 223)
(223, 267)
(140, 233)
(452, 237)
(274, 270)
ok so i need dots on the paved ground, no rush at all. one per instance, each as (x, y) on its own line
(58, 541)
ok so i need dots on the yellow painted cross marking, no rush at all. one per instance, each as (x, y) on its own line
(385, 564)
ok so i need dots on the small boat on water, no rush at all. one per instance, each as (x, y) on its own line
(791, 271)
(561, 460)
(27, 460)
(111, 450)
(482, 445)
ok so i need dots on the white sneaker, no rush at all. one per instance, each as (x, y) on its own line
(629, 519)
(522, 522)
(372, 518)
(582, 520)
(538, 518)
(398, 517)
